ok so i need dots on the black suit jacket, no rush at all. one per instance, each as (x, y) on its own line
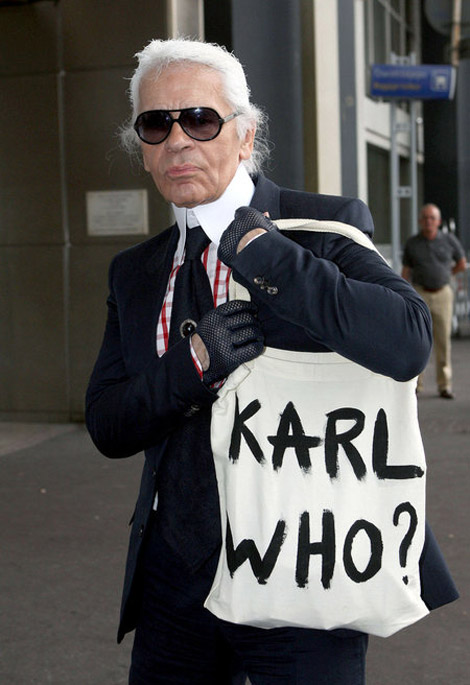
(327, 286)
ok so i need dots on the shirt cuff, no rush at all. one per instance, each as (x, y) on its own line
(195, 359)
(214, 386)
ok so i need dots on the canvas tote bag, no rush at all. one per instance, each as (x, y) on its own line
(321, 476)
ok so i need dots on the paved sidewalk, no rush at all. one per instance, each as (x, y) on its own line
(64, 511)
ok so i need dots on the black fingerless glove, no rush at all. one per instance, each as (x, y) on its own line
(232, 336)
(246, 219)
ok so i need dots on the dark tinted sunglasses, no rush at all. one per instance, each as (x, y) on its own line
(199, 123)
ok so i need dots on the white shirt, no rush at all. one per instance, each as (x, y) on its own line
(214, 218)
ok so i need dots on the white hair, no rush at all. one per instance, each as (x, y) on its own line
(160, 54)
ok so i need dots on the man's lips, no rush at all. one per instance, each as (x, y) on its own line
(181, 170)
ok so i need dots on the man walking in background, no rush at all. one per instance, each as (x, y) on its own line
(430, 259)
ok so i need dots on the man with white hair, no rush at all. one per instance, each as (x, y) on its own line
(157, 374)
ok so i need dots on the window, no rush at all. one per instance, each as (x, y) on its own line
(390, 26)
(378, 162)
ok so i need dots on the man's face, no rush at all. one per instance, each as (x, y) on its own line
(190, 172)
(430, 220)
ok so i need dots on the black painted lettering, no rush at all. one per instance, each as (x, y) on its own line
(376, 550)
(290, 433)
(333, 440)
(240, 429)
(406, 507)
(261, 567)
(326, 547)
(380, 454)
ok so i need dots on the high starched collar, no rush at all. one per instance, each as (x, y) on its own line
(214, 217)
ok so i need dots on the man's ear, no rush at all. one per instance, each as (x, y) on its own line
(246, 146)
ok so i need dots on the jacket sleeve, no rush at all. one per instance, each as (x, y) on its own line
(129, 412)
(344, 295)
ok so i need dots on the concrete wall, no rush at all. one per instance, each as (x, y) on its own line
(62, 78)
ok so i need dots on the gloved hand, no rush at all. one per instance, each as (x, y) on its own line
(232, 336)
(246, 219)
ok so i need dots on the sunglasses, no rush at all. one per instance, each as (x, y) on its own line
(199, 123)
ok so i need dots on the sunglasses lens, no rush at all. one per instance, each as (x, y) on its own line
(201, 123)
(152, 127)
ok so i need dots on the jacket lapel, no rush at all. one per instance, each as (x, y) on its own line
(145, 299)
(267, 197)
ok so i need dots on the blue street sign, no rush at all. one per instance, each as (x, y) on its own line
(412, 81)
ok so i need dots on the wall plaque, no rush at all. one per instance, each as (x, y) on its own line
(117, 212)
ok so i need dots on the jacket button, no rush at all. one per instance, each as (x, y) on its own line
(258, 280)
(272, 290)
(187, 327)
(141, 530)
(192, 410)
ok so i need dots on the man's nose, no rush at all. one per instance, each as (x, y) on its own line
(177, 138)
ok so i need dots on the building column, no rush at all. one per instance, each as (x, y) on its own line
(321, 88)
(185, 18)
(267, 40)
